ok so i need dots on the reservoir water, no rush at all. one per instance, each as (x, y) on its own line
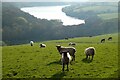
(51, 13)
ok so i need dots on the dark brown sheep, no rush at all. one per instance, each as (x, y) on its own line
(90, 51)
(72, 44)
(102, 40)
(66, 58)
(110, 38)
(71, 50)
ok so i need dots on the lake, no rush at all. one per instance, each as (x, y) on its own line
(52, 13)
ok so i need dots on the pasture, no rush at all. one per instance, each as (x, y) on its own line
(108, 15)
(25, 61)
(98, 9)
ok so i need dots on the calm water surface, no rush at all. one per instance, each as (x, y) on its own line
(51, 13)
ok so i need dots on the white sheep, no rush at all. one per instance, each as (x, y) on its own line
(31, 43)
(42, 45)
(72, 44)
(71, 50)
(90, 51)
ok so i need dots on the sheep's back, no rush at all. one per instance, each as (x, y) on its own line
(90, 51)
(64, 60)
(71, 50)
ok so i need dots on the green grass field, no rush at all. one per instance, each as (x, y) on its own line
(98, 9)
(0, 62)
(108, 16)
(24, 61)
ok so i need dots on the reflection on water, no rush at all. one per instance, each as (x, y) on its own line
(52, 12)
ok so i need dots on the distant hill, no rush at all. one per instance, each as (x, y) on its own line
(32, 4)
(19, 27)
(100, 17)
(94, 8)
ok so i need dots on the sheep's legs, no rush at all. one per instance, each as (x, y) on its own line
(73, 58)
(86, 56)
(92, 57)
(67, 67)
(63, 67)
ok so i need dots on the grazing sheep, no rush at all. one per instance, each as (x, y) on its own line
(90, 51)
(66, 58)
(72, 44)
(42, 45)
(110, 38)
(71, 50)
(90, 36)
(31, 43)
(102, 40)
(66, 38)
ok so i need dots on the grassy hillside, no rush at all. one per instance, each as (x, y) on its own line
(108, 15)
(24, 61)
(103, 11)
(0, 62)
(99, 8)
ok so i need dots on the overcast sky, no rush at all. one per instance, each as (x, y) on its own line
(43, 0)
(59, 0)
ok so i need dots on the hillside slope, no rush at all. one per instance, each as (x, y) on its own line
(20, 27)
(24, 61)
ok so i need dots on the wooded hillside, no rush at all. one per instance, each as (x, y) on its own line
(20, 27)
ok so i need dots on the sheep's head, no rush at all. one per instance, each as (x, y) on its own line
(58, 46)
